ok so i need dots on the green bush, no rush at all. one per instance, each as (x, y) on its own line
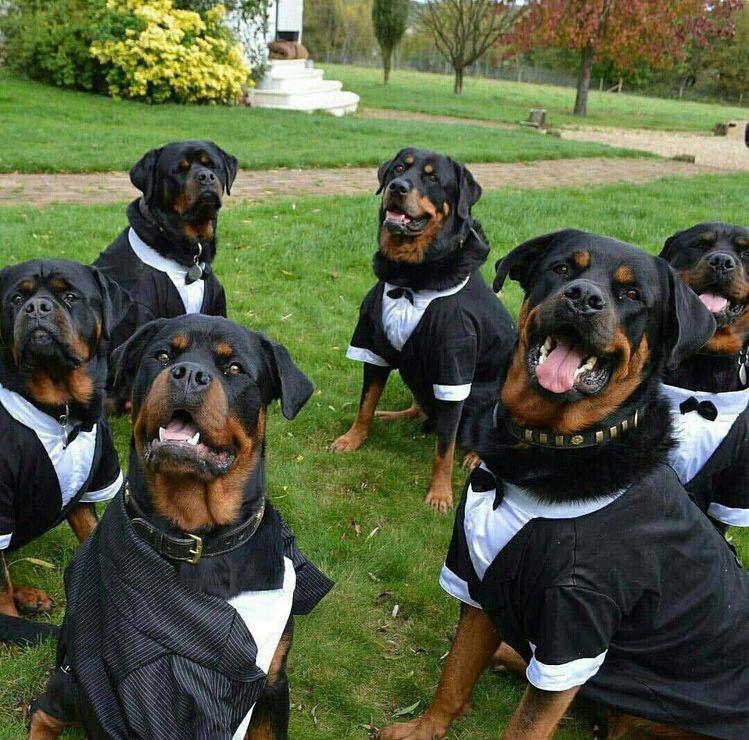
(49, 40)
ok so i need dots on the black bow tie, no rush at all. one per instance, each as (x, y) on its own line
(706, 409)
(482, 481)
(402, 293)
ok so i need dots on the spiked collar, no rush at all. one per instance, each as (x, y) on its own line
(590, 438)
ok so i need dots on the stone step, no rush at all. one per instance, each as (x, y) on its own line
(336, 101)
(288, 68)
(303, 75)
(293, 85)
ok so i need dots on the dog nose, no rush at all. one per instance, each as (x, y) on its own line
(205, 177)
(721, 263)
(584, 297)
(38, 307)
(190, 377)
(399, 186)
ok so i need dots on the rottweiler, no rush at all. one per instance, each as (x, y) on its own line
(179, 606)
(575, 544)
(57, 458)
(709, 391)
(431, 316)
(164, 257)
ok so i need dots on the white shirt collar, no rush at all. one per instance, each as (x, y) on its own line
(24, 412)
(400, 317)
(191, 294)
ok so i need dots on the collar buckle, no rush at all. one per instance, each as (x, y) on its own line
(197, 551)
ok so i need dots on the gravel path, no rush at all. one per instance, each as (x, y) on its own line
(40, 190)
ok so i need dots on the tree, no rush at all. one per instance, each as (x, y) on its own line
(389, 18)
(729, 61)
(464, 30)
(624, 31)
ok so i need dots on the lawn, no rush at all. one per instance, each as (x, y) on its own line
(46, 129)
(298, 269)
(509, 102)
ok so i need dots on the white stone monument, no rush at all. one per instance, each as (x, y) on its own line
(296, 84)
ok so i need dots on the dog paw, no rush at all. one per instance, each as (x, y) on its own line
(470, 461)
(32, 600)
(348, 442)
(440, 499)
(422, 728)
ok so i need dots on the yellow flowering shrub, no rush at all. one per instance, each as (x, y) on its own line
(155, 52)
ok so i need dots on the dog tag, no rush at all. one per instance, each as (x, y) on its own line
(742, 373)
(195, 273)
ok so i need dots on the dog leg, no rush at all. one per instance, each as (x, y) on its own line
(440, 494)
(375, 378)
(270, 718)
(619, 725)
(539, 713)
(475, 642)
(83, 520)
(45, 727)
(507, 659)
(412, 412)
(7, 604)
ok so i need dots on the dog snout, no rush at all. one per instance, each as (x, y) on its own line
(583, 297)
(722, 263)
(400, 186)
(206, 177)
(38, 307)
(190, 378)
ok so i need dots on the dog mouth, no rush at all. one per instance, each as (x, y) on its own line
(204, 209)
(42, 348)
(182, 445)
(399, 221)
(563, 364)
(722, 308)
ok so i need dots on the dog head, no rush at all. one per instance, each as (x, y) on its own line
(426, 205)
(186, 181)
(599, 320)
(713, 260)
(56, 321)
(200, 387)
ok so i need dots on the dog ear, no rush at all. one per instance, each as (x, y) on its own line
(291, 385)
(126, 358)
(382, 170)
(687, 324)
(518, 263)
(231, 166)
(469, 191)
(115, 301)
(672, 244)
(143, 174)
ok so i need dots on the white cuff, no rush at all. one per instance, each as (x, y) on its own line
(727, 515)
(103, 494)
(5, 540)
(564, 676)
(456, 587)
(365, 355)
(451, 392)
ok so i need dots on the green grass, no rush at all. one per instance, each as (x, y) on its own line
(509, 102)
(46, 129)
(298, 270)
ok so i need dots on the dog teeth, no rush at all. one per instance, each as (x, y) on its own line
(590, 363)
(162, 432)
(194, 439)
(548, 345)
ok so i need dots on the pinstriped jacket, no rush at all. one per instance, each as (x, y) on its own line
(143, 656)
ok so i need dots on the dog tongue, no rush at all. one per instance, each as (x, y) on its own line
(557, 373)
(397, 217)
(179, 430)
(716, 303)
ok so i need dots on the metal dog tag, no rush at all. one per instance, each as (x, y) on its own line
(195, 272)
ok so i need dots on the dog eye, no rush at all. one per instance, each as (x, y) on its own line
(70, 298)
(184, 165)
(399, 169)
(233, 368)
(633, 294)
(561, 269)
(434, 178)
(17, 299)
(163, 357)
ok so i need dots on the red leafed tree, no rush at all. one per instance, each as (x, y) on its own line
(623, 31)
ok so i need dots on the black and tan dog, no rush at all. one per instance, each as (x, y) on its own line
(179, 607)
(575, 544)
(163, 258)
(709, 391)
(431, 316)
(57, 458)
